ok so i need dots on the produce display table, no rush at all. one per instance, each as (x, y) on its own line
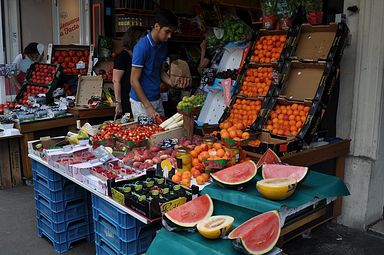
(90, 189)
(88, 114)
(28, 131)
(310, 206)
(10, 165)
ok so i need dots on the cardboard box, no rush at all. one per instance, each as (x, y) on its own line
(309, 127)
(306, 81)
(168, 134)
(316, 43)
(87, 87)
(88, 63)
(280, 145)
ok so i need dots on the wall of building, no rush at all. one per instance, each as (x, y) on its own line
(360, 113)
(36, 22)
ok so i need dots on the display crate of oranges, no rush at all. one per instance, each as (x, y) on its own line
(268, 48)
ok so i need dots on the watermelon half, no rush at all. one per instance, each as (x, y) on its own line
(282, 171)
(236, 175)
(259, 234)
(269, 157)
(191, 213)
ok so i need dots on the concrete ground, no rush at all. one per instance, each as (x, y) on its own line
(18, 233)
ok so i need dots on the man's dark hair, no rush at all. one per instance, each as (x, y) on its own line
(132, 35)
(31, 48)
(166, 18)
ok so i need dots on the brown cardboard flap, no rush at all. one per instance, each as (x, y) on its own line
(266, 138)
(303, 81)
(87, 87)
(315, 42)
(48, 141)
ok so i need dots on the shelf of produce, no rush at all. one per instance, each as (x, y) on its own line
(87, 114)
(106, 198)
(28, 131)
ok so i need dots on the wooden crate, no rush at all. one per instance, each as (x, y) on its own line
(10, 163)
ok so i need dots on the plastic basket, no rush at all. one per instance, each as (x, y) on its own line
(70, 213)
(62, 240)
(112, 213)
(126, 248)
(56, 206)
(46, 172)
(68, 192)
(102, 248)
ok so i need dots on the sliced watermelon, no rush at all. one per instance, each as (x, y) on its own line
(192, 212)
(259, 234)
(281, 171)
(236, 175)
(269, 157)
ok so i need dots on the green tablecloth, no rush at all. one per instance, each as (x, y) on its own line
(243, 205)
(315, 185)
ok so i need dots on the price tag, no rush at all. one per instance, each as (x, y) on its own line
(166, 166)
(166, 207)
(80, 65)
(227, 83)
(117, 196)
(145, 120)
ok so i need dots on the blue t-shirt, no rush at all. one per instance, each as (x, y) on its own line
(149, 56)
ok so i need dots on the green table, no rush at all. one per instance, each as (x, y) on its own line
(243, 205)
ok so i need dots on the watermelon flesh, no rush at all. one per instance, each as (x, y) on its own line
(237, 174)
(269, 157)
(259, 234)
(281, 171)
(192, 212)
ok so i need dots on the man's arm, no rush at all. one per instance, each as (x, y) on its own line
(135, 83)
(117, 75)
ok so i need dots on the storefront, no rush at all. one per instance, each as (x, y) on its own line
(358, 113)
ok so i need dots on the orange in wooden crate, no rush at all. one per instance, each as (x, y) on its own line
(287, 119)
(256, 82)
(268, 48)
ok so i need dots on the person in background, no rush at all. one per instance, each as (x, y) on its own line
(204, 60)
(122, 70)
(149, 55)
(33, 52)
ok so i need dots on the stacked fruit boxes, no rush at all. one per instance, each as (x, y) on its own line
(62, 208)
(299, 98)
(117, 232)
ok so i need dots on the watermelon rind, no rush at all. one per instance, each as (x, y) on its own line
(209, 213)
(297, 172)
(236, 183)
(240, 242)
(274, 159)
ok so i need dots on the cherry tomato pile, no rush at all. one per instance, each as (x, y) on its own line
(68, 60)
(43, 74)
(31, 90)
(134, 134)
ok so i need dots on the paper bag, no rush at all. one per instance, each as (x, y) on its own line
(179, 69)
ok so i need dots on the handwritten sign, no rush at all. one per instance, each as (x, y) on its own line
(166, 207)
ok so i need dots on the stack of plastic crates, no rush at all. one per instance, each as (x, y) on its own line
(117, 232)
(63, 208)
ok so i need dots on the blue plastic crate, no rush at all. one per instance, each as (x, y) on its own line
(102, 248)
(145, 241)
(62, 240)
(112, 213)
(113, 233)
(59, 227)
(45, 172)
(52, 185)
(56, 206)
(68, 192)
(71, 212)
(124, 248)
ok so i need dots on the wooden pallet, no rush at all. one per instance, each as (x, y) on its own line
(10, 163)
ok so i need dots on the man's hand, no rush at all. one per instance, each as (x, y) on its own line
(182, 82)
(118, 108)
(151, 112)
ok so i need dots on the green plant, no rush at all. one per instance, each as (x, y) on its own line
(105, 42)
(286, 8)
(269, 7)
(312, 5)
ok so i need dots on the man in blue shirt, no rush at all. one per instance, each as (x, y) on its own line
(149, 54)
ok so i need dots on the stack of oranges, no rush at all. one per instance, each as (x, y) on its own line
(244, 111)
(233, 130)
(287, 119)
(257, 82)
(268, 48)
(185, 177)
